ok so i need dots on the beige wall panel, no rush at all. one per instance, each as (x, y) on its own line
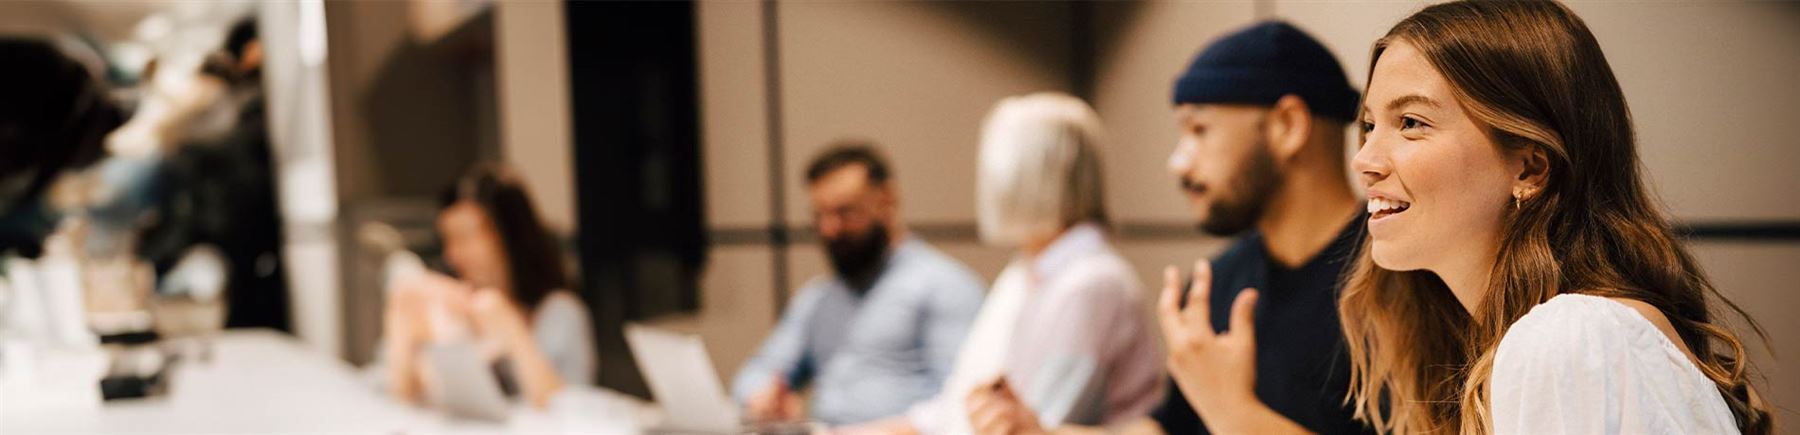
(733, 109)
(986, 261)
(1711, 88)
(736, 308)
(532, 63)
(1761, 278)
(917, 78)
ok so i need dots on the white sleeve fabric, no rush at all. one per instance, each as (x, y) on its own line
(565, 334)
(1586, 364)
(981, 358)
(1086, 353)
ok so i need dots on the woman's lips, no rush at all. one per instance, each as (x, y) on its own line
(1382, 207)
(1383, 210)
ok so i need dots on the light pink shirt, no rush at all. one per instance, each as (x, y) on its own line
(1070, 330)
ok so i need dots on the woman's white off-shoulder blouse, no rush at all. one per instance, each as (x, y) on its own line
(1588, 364)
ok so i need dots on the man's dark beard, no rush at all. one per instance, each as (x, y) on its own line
(1237, 209)
(858, 258)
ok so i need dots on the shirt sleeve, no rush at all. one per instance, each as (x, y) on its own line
(1098, 326)
(979, 348)
(784, 351)
(566, 335)
(1557, 370)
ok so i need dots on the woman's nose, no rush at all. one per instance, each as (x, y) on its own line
(1371, 162)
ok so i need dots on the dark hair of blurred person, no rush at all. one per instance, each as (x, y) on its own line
(527, 264)
(53, 116)
(845, 153)
(244, 46)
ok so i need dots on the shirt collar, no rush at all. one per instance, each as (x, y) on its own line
(1079, 241)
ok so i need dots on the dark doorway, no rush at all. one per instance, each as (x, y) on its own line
(634, 88)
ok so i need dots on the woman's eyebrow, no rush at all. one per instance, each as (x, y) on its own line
(1397, 103)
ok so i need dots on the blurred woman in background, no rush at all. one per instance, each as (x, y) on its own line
(1065, 331)
(509, 292)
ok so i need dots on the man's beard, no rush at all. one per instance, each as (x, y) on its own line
(858, 259)
(1240, 207)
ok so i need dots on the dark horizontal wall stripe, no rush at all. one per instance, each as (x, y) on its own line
(739, 236)
(939, 231)
(1771, 232)
(743, 236)
(1151, 231)
(1767, 231)
(943, 232)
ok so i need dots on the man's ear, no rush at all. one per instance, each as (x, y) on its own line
(887, 196)
(1287, 127)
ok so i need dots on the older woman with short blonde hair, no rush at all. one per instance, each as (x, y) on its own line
(1064, 331)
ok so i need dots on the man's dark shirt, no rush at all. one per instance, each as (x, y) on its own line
(1302, 365)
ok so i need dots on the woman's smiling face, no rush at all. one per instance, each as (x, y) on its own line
(1438, 183)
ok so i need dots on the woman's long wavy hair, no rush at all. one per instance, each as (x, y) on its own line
(532, 255)
(1533, 74)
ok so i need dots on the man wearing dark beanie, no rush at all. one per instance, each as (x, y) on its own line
(1262, 113)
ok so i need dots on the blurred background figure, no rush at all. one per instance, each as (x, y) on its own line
(509, 292)
(878, 334)
(1063, 336)
(217, 189)
(182, 207)
(54, 116)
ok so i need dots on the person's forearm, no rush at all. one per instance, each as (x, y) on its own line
(1142, 426)
(402, 370)
(1070, 429)
(538, 380)
(399, 343)
(1248, 416)
(891, 426)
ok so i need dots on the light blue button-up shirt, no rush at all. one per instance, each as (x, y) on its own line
(870, 356)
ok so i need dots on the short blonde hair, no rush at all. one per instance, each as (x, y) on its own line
(1039, 168)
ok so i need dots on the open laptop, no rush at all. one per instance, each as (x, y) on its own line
(681, 376)
(464, 382)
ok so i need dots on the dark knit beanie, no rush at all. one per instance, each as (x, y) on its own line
(1262, 63)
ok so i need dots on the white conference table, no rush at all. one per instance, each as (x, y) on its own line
(267, 382)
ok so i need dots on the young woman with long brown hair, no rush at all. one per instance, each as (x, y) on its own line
(1518, 276)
